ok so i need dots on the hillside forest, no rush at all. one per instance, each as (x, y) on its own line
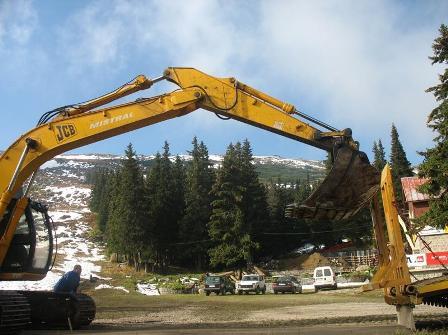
(190, 214)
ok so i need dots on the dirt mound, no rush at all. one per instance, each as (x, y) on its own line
(315, 260)
(304, 262)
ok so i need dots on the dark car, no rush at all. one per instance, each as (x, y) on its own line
(219, 285)
(286, 284)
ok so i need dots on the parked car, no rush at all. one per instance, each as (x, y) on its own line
(286, 284)
(324, 277)
(219, 285)
(251, 283)
(305, 249)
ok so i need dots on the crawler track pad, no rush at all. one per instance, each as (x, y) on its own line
(349, 186)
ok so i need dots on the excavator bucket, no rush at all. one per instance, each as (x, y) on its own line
(348, 187)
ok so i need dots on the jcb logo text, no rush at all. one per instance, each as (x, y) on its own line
(64, 131)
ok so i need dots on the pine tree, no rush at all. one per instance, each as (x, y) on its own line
(103, 204)
(226, 216)
(303, 190)
(99, 200)
(127, 215)
(254, 202)
(239, 210)
(435, 164)
(109, 212)
(400, 165)
(165, 206)
(193, 226)
(97, 189)
(379, 156)
(280, 235)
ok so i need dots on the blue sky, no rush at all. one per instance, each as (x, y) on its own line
(354, 64)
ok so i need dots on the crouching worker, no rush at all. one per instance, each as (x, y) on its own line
(69, 282)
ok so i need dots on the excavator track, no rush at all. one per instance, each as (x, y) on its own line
(51, 310)
(15, 312)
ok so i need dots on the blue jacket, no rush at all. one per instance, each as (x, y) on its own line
(68, 283)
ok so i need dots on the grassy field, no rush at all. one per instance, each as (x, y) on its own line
(113, 303)
(117, 309)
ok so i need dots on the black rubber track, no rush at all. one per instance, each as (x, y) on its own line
(15, 312)
(51, 310)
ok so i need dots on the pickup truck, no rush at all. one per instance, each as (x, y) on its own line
(251, 283)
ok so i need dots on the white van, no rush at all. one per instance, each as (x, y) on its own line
(324, 277)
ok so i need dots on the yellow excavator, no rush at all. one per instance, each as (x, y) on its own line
(26, 240)
(393, 275)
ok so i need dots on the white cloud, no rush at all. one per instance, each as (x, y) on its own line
(352, 60)
(352, 64)
(18, 21)
(198, 33)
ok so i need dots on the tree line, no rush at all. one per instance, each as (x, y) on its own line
(434, 167)
(187, 213)
(398, 161)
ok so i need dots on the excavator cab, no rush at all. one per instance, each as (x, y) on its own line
(31, 250)
(348, 187)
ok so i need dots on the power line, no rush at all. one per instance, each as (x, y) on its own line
(320, 231)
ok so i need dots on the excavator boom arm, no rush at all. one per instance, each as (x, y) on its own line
(79, 125)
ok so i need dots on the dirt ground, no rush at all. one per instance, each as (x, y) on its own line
(344, 311)
(198, 311)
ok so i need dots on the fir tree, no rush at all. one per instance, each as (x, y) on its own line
(165, 206)
(280, 236)
(254, 202)
(113, 226)
(226, 216)
(97, 189)
(239, 209)
(99, 200)
(103, 205)
(379, 156)
(303, 190)
(435, 163)
(400, 165)
(127, 215)
(193, 226)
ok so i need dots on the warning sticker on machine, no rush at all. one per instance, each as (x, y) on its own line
(416, 260)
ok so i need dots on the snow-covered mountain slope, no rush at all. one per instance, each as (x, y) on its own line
(288, 169)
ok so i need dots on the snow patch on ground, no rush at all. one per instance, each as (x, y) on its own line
(148, 289)
(103, 286)
(62, 216)
(73, 195)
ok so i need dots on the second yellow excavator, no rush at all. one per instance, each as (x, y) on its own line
(26, 242)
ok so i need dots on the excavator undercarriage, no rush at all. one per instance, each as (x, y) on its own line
(44, 310)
